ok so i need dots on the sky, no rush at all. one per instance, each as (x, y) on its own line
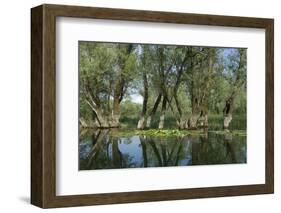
(136, 98)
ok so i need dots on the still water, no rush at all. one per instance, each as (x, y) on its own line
(100, 150)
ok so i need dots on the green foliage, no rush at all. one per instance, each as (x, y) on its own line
(207, 78)
(105, 69)
(168, 132)
(241, 103)
(171, 133)
(155, 133)
(130, 108)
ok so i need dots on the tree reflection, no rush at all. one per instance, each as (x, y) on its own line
(144, 152)
(108, 152)
(164, 153)
(116, 154)
(217, 149)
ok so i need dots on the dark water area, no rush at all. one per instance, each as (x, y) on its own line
(101, 150)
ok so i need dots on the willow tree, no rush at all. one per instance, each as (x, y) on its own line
(208, 75)
(181, 66)
(199, 82)
(156, 64)
(144, 66)
(164, 66)
(173, 68)
(155, 85)
(106, 71)
(153, 110)
(236, 74)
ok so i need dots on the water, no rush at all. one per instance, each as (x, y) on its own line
(100, 150)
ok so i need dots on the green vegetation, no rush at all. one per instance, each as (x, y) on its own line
(168, 132)
(126, 133)
(156, 133)
(162, 90)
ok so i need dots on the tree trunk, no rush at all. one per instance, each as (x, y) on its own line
(103, 119)
(199, 96)
(163, 111)
(180, 121)
(119, 89)
(162, 120)
(227, 112)
(116, 104)
(192, 121)
(226, 121)
(195, 105)
(141, 123)
(83, 123)
(202, 121)
(153, 111)
(148, 121)
(115, 113)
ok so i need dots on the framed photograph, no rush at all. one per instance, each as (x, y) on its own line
(136, 106)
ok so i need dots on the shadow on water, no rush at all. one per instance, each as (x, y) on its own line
(100, 150)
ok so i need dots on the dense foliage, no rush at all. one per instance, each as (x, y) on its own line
(143, 85)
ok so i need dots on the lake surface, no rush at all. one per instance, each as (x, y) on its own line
(101, 150)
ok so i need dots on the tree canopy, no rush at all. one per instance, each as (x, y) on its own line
(149, 81)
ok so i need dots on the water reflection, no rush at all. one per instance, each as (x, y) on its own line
(102, 151)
